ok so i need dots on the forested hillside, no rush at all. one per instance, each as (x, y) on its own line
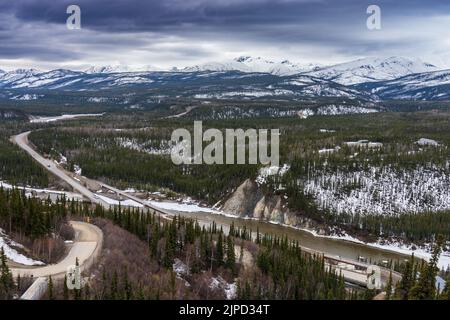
(383, 174)
(159, 259)
(16, 166)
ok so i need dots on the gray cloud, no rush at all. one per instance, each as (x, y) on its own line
(170, 32)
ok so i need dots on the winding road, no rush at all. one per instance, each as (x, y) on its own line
(86, 247)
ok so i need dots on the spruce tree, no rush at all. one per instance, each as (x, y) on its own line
(425, 288)
(6, 278)
(389, 287)
(231, 256)
(219, 251)
(50, 288)
(65, 289)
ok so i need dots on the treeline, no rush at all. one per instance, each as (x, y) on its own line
(29, 216)
(41, 226)
(285, 272)
(11, 288)
(419, 279)
(16, 167)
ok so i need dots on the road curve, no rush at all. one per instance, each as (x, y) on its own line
(86, 247)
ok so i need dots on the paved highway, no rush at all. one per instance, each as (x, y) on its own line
(22, 141)
(86, 247)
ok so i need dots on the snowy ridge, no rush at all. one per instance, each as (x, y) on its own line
(254, 64)
(120, 68)
(372, 69)
(422, 86)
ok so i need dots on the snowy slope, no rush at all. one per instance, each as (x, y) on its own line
(372, 69)
(381, 190)
(12, 254)
(120, 68)
(422, 86)
(252, 64)
(17, 75)
(316, 87)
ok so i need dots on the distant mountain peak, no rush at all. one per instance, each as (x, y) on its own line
(30, 71)
(243, 58)
(120, 68)
(254, 64)
(373, 69)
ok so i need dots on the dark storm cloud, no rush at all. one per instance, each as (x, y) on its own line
(152, 15)
(329, 23)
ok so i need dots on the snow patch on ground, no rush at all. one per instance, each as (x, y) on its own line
(266, 172)
(63, 117)
(228, 288)
(26, 97)
(180, 268)
(339, 110)
(12, 254)
(427, 142)
(164, 147)
(124, 203)
(182, 207)
(69, 195)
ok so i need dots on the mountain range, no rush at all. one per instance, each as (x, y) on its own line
(369, 79)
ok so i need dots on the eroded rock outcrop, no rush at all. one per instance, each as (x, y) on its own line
(249, 201)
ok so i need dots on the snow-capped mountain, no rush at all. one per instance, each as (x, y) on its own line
(31, 78)
(366, 79)
(421, 86)
(310, 86)
(251, 64)
(120, 68)
(372, 69)
(17, 75)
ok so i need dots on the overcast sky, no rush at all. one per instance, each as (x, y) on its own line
(167, 33)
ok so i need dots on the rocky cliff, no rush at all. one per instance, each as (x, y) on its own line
(249, 201)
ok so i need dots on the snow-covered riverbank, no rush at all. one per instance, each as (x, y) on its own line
(63, 117)
(29, 190)
(395, 246)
